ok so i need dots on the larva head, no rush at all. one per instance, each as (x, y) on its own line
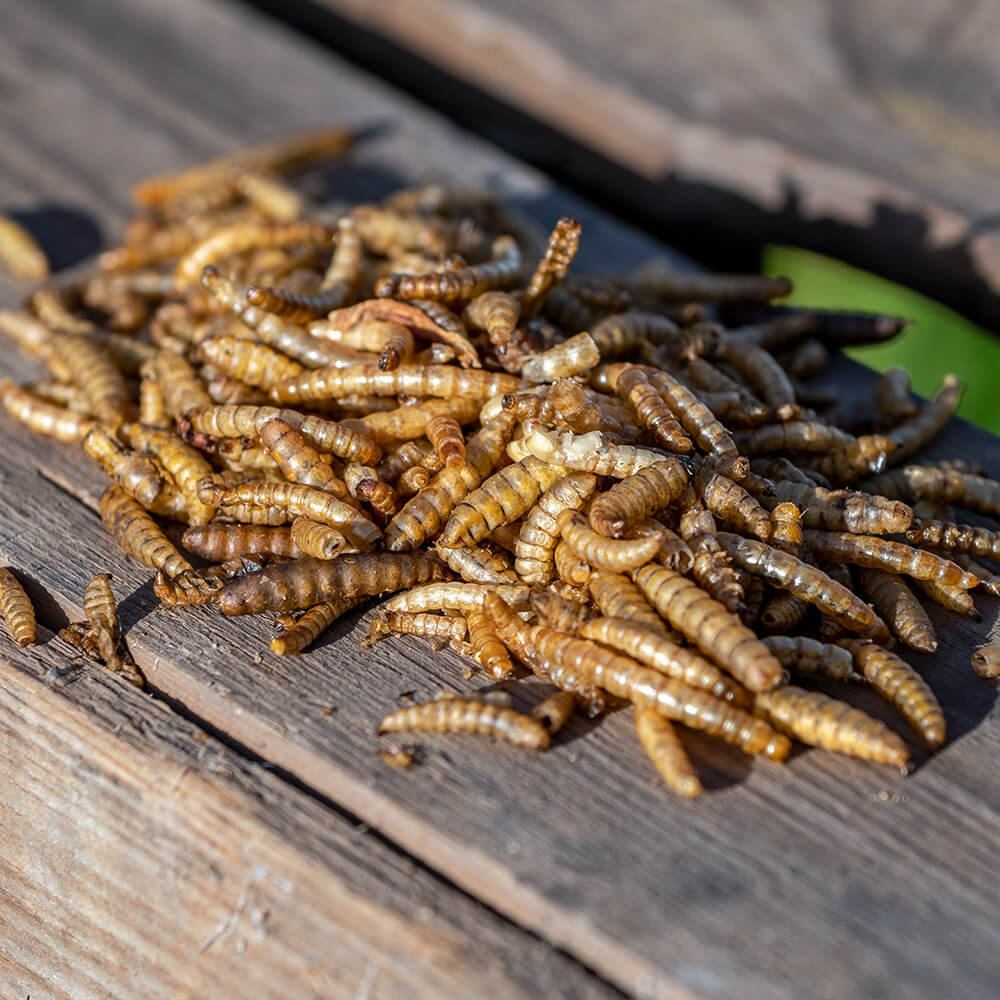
(541, 443)
(778, 748)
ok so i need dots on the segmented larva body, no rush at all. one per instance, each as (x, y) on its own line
(622, 333)
(810, 656)
(986, 660)
(955, 538)
(17, 609)
(899, 608)
(653, 649)
(731, 502)
(252, 363)
(19, 253)
(411, 380)
(786, 528)
(712, 567)
(618, 597)
(422, 516)
(298, 460)
(794, 435)
(445, 434)
(539, 533)
(558, 612)
(901, 685)
(674, 552)
(806, 359)
(306, 582)
(459, 715)
(317, 540)
(488, 651)
(572, 407)
(658, 737)
(894, 402)
(42, 417)
(559, 253)
(183, 391)
(601, 552)
(422, 623)
(276, 200)
(590, 453)
(637, 496)
(407, 423)
(782, 612)
(913, 435)
(298, 501)
(712, 628)
(364, 484)
(555, 711)
(658, 277)
(634, 387)
(464, 283)
(101, 611)
(311, 624)
(819, 721)
(765, 377)
(953, 486)
(220, 542)
(880, 553)
(953, 598)
(372, 335)
(199, 586)
(185, 465)
(152, 405)
(137, 533)
(502, 498)
(476, 564)
(136, 474)
(624, 678)
(495, 312)
(464, 597)
(93, 369)
(344, 269)
(781, 569)
(571, 568)
(241, 236)
(857, 458)
(843, 510)
(570, 357)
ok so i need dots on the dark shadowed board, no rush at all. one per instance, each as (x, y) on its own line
(865, 131)
(825, 877)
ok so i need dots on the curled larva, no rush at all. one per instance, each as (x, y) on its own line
(613, 555)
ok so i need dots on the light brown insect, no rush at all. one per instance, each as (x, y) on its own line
(601, 552)
(897, 606)
(464, 597)
(782, 612)
(786, 528)
(659, 739)
(298, 460)
(901, 685)
(137, 533)
(617, 596)
(955, 538)
(659, 278)
(953, 598)
(495, 312)
(813, 718)
(781, 569)
(850, 462)
(17, 609)
(555, 711)
(635, 388)
(199, 586)
(251, 363)
(843, 510)
(913, 435)
(986, 660)
(894, 402)
(805, 655)
(42, 417)
(421, 623)
(220, 542)
(364, 484)
(559, 253)
(712, 566)
(317, 540)
(101, 612)
(653, 649)
(569, 567)
(707, 623)
(307, 582)
(311, 624)
(136, 474)
(445, 434)
(183, 391)
(731, 502)
(476, 564)
(637, 496)
(570, 357)
(19, 253)
(880, 553)
(459, 715)
(488, 651)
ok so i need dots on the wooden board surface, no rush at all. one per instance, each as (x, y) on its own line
(823, 870)
(865, 131)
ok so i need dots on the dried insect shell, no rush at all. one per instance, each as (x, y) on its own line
(17, 609)
(457, 715)
(200, 586)
(707, 623)
(307, 582)
(317, 540)
(896, 604)
(427, 624)
(298, 461)
(555, 711)
(731, 502)
(590, 453)
(813, 718)
(311, 624)
(843, 510)
(913, 435)
(475, 564)
(986, 660)
(659, 739)
(488, 651)
(552, 268)
(137, 533)
(618, 597)
(102, 613)
(900, 684)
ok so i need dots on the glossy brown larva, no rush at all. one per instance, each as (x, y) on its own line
(659, 739)
(17, 609)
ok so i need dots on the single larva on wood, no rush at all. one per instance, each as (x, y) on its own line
(422, 623)
(659, 739)
(199, 586)
(17, 609)
(986, 660)
(101, 610)
(457, 715)
(488, 651)
(311, 624)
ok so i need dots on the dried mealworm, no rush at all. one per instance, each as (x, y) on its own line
(601, 552)
(955, 538)
(820, 721)
(475, 564)
(317, 540)
(220, 542)
(899, 608)
(488, 651)
(306, 582)
(251, 363)
(731, 502)
(894, 401)
(843, 510)
(570, 568)
(900, 684)
(635, 388)
(495, 312)
(19, 253)
(445, 434)
(364, 484)
(786, 527)
(638, 495)
(539, 534)
(136, 474)
(311, 624)
(298, 461)
(559, 253)
(450, 596)
(953, 598)
(555, 711)
(558, 612)
(42, 417)
(618, 597)
(17, 609)
(137, 533)
(457, 715)
(422, 623)
(199, 586)
(183, 391)
(659, 739)
(572, 356)
(986, 660)
(810, 656)
(913, 435)
(782, 612)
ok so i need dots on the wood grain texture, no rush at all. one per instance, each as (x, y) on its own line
(826, 875)
(139, 857)
(865, 131)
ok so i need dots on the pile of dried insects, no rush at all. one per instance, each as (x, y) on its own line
(624, 486)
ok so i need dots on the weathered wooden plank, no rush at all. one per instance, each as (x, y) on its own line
(139, 857)
(864, 131)
(751, 889)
